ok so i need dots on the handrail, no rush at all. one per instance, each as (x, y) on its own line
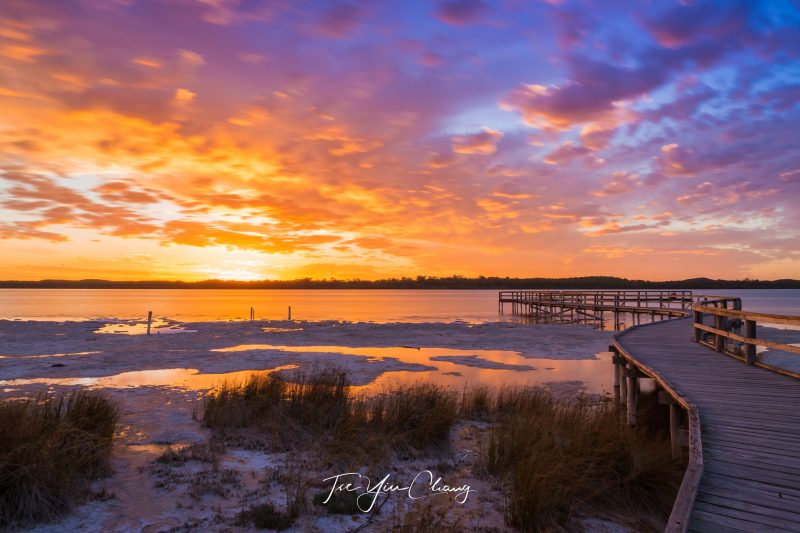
(740, 327)
(687, 492)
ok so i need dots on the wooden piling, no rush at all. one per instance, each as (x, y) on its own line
(674, 429)
(290, 313)
(149, 321)
(623, 383)
(631, 396)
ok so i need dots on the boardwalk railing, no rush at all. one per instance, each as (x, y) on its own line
(626, 364)
(625, 307)
(591, 306)
(734, 332)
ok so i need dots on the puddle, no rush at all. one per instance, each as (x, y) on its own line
(46, 355)
(457, 368)
(158, 326)
(185, 378)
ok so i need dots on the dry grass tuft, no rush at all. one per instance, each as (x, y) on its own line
(265, 516)
(561, 456)
(426, 518)
(50, 451)
(555, 458)
(319, 410)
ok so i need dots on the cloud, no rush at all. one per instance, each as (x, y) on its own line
(566, 153)
(593, 91)
(686, 23)
(619, 183)
(461, 12)
(338, 20)
(483, 142)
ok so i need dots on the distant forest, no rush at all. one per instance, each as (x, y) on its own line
(420, 282)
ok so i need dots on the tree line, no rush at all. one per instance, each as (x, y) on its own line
(419, 282)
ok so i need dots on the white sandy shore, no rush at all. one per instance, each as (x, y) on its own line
(30, 348)
(158, 401)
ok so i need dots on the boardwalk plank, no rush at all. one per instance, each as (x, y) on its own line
(750, 429)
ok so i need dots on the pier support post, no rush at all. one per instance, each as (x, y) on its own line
(617, 361)
(149, 321)
(631, 396)
(623, 385)
(290, 313)
(674, 429)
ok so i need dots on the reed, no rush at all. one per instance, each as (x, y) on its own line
(558, 457)
(320, 409)
(50, 451)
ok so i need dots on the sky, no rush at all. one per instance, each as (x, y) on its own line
(243, 139)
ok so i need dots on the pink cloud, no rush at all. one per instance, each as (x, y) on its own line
(484, 142)
(461, 12)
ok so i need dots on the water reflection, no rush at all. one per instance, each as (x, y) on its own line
(158, 326)
(185, 378)
(43, 356)
(447, 367)
(456, 368)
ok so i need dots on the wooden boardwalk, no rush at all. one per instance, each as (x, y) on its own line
(744, 471)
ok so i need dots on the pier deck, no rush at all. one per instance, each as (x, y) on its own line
(744, 471)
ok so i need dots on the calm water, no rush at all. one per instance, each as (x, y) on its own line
(349, 305)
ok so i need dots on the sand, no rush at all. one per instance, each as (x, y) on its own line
(159, 381)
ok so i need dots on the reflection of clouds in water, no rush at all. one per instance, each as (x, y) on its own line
(158, 326)
(42, 356)
(477, 361)
(456, 368)
(187, 378)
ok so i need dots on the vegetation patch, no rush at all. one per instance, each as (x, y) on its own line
(265, 516)
(50, 451)
(339, 502)
(319, 410)
(560, 457)
(555, 460)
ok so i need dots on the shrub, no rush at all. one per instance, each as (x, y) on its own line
(319, 409)
(345, 502)
(265, 516)
(558, 456)
(50, 451)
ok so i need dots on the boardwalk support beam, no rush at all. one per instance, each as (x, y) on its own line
(632, 375)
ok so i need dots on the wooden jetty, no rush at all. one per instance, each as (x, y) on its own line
(739, 417)
(591, 307)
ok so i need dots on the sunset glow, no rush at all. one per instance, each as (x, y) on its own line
(244, 140)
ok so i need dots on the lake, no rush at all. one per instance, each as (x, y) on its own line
(345, 305)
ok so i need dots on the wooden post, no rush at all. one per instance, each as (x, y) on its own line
(290, 313)
(674, 429)
(719, 323)
(698, 319)
(632, 381)
(616, 360)
(252, 314)
(750, 348)
(623, 383)
(149, 321)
